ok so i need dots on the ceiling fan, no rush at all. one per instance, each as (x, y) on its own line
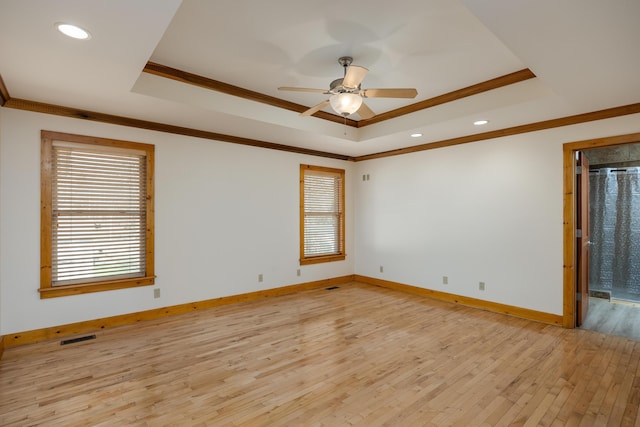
(347, 93)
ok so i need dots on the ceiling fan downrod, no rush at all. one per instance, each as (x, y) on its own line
(345, 61)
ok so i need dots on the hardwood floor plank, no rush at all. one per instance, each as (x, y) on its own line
(633, 404)
(357, 355)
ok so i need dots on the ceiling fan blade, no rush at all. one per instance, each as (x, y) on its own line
(354, 76)
(390, 93)
(365, 112)
(316, 108)
(302, 89)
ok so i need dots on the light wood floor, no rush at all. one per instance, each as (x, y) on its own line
(357, 355)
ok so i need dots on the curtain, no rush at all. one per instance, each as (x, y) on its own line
(614, 214)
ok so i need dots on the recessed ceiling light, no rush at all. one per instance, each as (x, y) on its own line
(416, 135)
(73, 31)
(480, 122)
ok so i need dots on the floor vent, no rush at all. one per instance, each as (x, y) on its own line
(332, 288)
(79, 339)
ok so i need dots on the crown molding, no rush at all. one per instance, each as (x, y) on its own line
(215, 85)
(39, 107)
(22, 104)
(498, 82)
(218, 86)
(515, 130)
(4, 93)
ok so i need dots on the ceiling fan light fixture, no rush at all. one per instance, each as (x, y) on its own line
(345, 103)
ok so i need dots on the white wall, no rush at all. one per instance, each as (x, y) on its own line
(488, 211)
(224, 213)
(1, 191)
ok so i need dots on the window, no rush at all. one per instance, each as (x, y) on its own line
(321, 214)
(97, 214)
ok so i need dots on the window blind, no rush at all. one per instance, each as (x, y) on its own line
(322, 213)
(98, 214)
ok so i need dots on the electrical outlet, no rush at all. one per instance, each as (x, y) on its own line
(298, 273)
(260, 277)
(156, 293)
(381, 269)
(481, 286)
(445, 280)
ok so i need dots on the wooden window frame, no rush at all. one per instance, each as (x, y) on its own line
(341, 255)
(47, 290)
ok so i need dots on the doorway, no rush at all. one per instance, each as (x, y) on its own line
(573, 294)
(614, 222)
(614, 240)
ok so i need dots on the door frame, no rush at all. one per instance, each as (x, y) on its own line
(569, 216)
(582, 241)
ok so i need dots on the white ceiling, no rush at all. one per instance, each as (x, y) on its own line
(583, 52)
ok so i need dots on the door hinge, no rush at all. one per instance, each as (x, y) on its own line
(578, 170)
(578, 233)
(578, 296)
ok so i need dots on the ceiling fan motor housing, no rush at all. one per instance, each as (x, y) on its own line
(337, 87)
